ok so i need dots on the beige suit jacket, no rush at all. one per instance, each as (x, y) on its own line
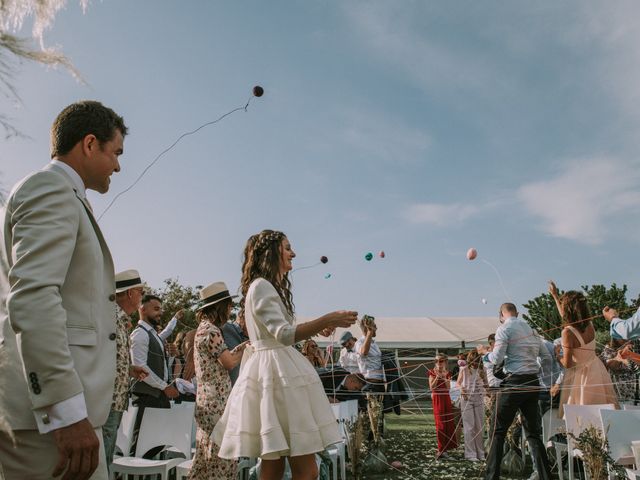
(57, 327)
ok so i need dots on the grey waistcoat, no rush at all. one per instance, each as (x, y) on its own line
(156, 361)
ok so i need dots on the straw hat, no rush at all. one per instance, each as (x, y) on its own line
(214, 293)
(127, 280)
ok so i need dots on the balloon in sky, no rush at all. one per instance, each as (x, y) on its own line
(327, 276)
(484, 301)
(368, 256)
(472, 253)
(381, 254)
(324, 259)
(258, 91)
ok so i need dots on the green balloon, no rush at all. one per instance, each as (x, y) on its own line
(368, 256)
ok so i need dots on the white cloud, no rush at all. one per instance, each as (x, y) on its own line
(579, 203)
(440, 215)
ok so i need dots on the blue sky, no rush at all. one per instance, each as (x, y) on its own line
(417, 128)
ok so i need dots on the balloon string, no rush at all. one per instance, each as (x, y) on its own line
(499, 279)
(308, 266)
(186, 134)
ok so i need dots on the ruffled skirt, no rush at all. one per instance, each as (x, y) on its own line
(277, 408)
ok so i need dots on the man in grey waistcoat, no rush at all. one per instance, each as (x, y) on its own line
(147, 351)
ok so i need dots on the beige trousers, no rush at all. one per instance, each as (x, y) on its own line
(34, 456)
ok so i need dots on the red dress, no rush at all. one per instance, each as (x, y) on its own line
(443, 414)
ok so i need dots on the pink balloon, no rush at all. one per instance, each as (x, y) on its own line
(381, 254)
(472, 253)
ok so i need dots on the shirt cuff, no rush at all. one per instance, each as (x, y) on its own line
(62, 414)
(612, 329)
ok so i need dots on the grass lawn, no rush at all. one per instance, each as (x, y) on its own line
(411, 439)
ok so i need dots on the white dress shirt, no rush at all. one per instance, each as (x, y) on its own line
(349, 360)
(140, 349)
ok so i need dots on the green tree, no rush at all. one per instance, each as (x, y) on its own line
(543, 314)
(178, 297)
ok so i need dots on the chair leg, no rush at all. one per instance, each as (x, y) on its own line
(559, 463)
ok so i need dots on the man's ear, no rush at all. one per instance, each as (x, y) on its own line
(89, 143)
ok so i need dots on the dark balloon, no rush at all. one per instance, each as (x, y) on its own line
(324, 259)
(258, 91)
(368, 256)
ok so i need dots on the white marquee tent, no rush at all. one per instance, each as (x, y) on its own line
(424, 332)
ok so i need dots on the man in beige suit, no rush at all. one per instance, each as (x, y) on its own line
(57, 328)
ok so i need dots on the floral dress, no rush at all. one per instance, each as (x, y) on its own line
(214, 385)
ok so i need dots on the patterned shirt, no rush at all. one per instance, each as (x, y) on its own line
(121, 386)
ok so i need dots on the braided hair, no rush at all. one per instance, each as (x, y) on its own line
(575, 310)
(262, 259)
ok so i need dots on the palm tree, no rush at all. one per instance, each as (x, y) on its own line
(13, 48)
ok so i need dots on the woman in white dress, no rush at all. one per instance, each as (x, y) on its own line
(277, 407)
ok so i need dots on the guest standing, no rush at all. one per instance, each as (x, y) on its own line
(213, 361)
(440, 383)
(519, 347)
(472, 390)
(586, 380)
(370, 355)
(348, 356)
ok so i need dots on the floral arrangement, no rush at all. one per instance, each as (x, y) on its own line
(595, 454)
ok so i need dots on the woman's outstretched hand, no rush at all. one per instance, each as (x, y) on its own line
(341, 319)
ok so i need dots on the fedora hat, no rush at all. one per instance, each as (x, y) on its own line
(213, 293)
(346, 336)
(128, 279)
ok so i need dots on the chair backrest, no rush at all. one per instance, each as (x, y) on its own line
(579, 417)
(551, 424)
(621, 427)
(628, 406)
(167, 426)
(125, 431)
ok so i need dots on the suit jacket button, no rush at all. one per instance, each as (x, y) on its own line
(36, 389)
(112, 336)
(33, 377)
(112, 297)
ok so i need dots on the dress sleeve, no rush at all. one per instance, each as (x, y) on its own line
(267, 310)
(215, 342)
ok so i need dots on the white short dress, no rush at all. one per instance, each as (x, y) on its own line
(278, 406)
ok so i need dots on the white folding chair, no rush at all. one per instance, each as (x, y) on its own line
(183, 469)
(125, 431)
(621, 427)
(551, 426)
(577, 418)
(159, 427)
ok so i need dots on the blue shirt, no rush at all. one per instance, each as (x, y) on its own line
(233, 336)
(519, 346)
(626, 329)
(550, 367)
